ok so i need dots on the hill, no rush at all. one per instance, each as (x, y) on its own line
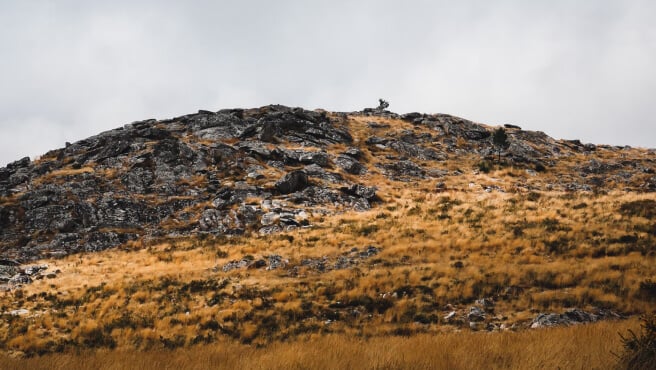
(276, 224)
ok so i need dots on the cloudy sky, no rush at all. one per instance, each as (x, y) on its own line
(581, 69)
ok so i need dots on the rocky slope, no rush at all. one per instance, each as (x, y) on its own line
(264, 170)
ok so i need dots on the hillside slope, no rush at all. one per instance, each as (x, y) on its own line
(271, 223)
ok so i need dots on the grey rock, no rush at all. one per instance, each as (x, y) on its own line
(19, 312)
(315, 171)
(375, 140)
(7, 272)
(403, 171)
(255, 149)
(475, 314)
(232, 265)
(315, 158)
(366, 192)
(354, 152)
(267, 131)
(569, 317)
(318, 264)
(350, 165)
(415, 151)
(369, 252)
(343, 262)
(248, 214)
(33, 270)
(20, 279)
(8, 263)
(21, 163)
(486, 303)
(411, 117)
(276, 261)
(292, 182)
(598, 167)
(269, 218)
(272, 229)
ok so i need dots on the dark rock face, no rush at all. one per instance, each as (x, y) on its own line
(450, 125)
(403, 171)
(350, 165)
(368, 193)
(126, 183)
(292, 182)
(294, 125)
(215, 172)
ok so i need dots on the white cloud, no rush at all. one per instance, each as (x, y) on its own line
(573, 69)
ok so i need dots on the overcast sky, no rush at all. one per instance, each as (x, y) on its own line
(574, 69)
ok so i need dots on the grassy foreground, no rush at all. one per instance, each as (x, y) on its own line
(576, 347)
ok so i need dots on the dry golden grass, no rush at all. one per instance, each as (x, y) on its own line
(577, 347)
(57, 175)
(531, 253)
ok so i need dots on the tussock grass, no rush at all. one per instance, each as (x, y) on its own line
(438, 252)
(508, 234)
(576, 347)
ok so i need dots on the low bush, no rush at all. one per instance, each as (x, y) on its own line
(640, 349)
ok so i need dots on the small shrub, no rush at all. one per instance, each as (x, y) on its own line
(485, 166)
(640, 350)
(648, 289)
(367, 230)
(173, 343)
(97, 338)
(533, 196)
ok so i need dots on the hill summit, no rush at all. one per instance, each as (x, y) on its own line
(265, 170)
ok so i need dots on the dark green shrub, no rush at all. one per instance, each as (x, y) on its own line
(640, 350)
(97, 338)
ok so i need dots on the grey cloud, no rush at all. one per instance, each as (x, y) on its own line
(579, 69)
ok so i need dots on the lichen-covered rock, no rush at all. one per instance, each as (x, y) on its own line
(350, 165)
(292, 182)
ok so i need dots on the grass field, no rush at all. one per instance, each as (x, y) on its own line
(577, 347)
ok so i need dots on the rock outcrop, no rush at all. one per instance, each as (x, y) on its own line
(262, 170)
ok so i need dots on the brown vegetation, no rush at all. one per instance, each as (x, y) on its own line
(491, 231)
(577, 347)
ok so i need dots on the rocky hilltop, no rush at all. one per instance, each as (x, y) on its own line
(273, 224)
(266, 170)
